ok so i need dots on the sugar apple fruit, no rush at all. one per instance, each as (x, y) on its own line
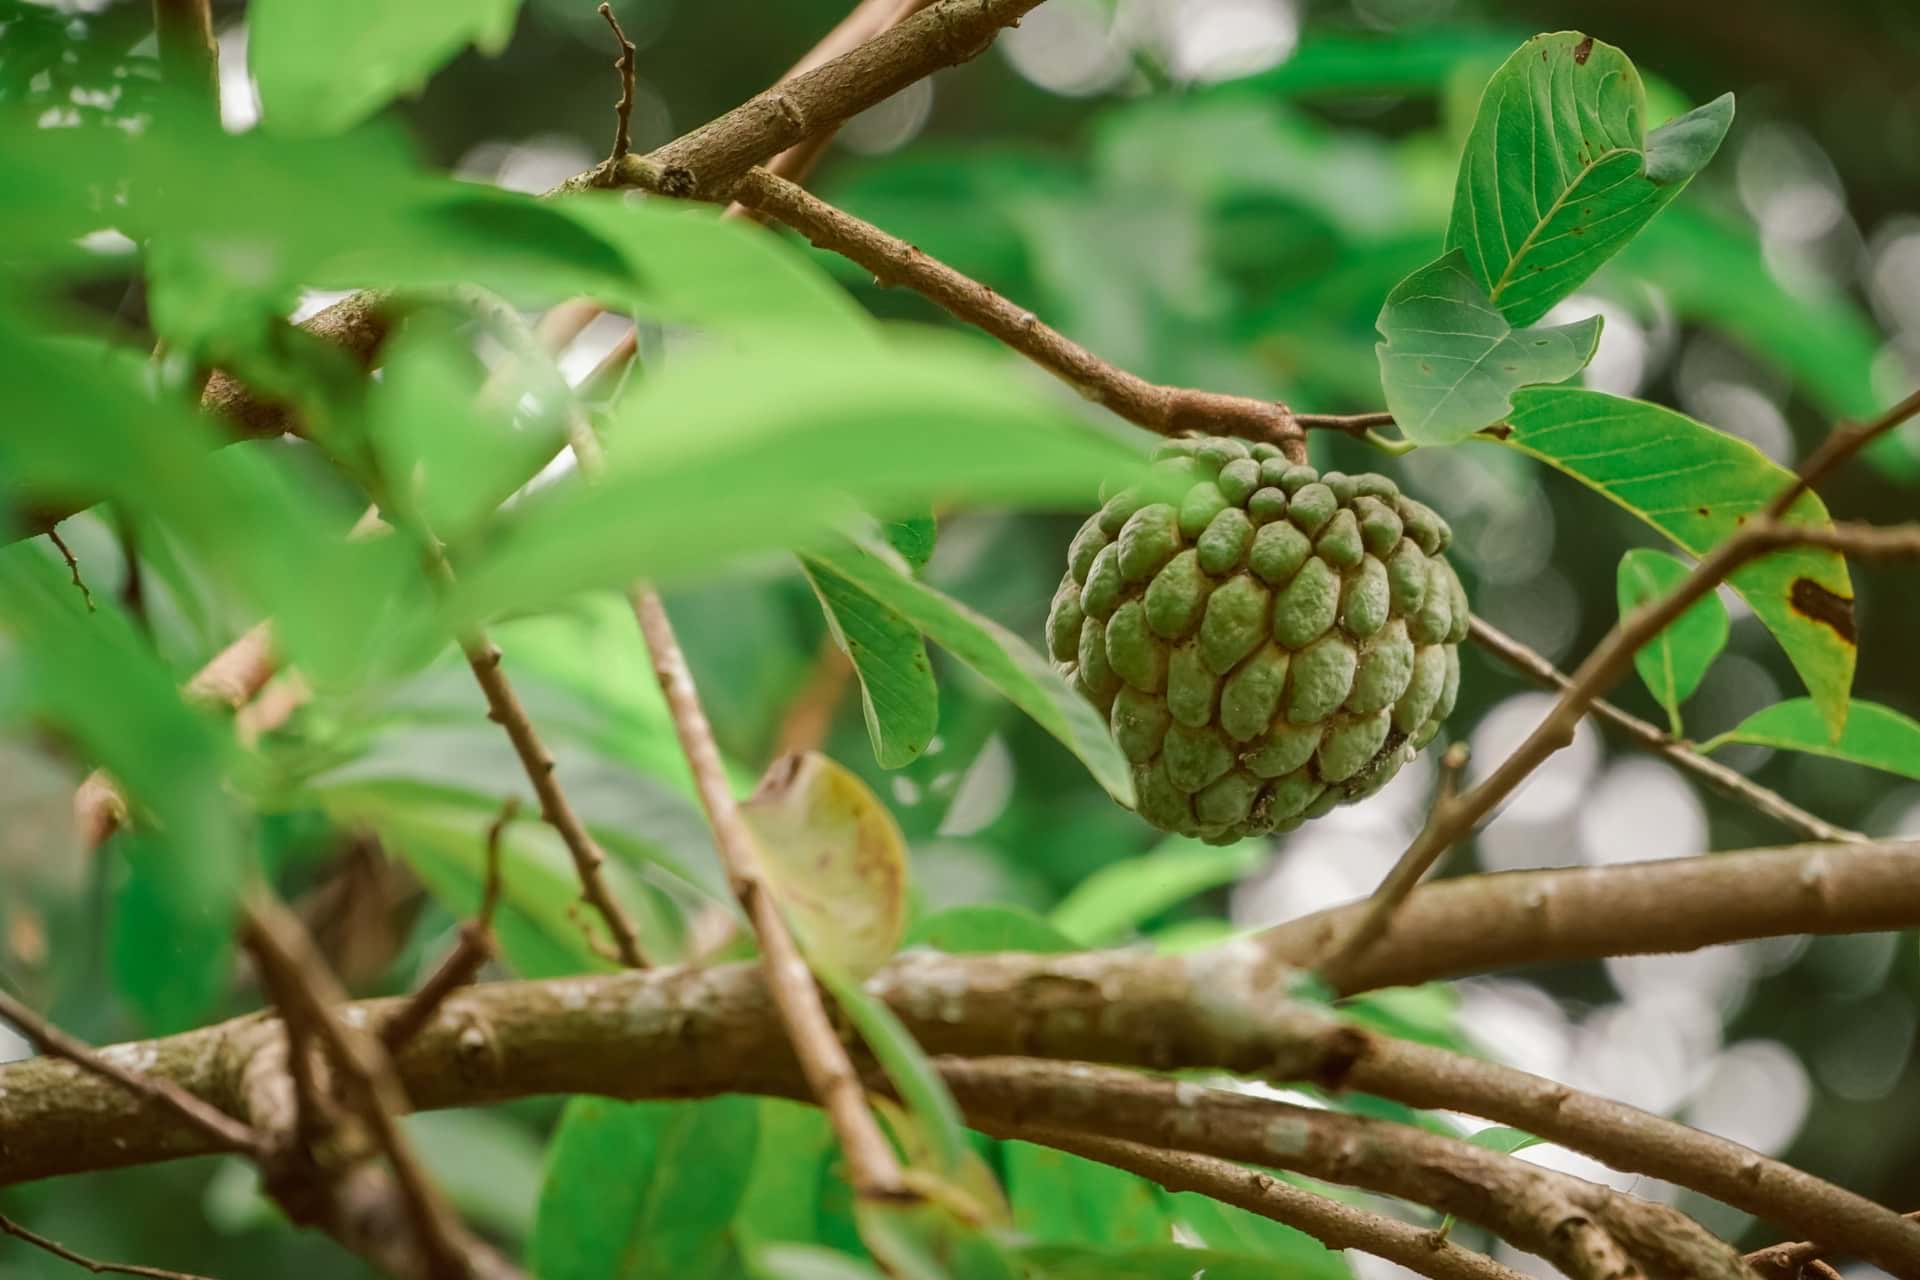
(1275, 643)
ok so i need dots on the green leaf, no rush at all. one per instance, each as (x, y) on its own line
(1123, 895)
(924, 1240)
(897, 691)
(692, 266)
(1505, 1140)
(642, 1189)
(1428, 1013)
(1673, 662)
(782, 1200)
(907, 1066)
(1559, 172)
(1226, 1226)
(487, 1162)
(834, 859)
(913, 537)
(1059, 1198)
(1004, 660)
(1697, 485)
(170, 946)
(323, 68)
(1876, 736)
(986, 927)
(729, 451)
(1451, 362)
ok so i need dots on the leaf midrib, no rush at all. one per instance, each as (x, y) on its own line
(1559, 201)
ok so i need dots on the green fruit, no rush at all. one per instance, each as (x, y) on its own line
(1266, 641)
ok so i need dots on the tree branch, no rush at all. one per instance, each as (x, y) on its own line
(9, 1227)
(1166, 410)
(1793, 1260)
(1588, 1231)
(473, 949)
(1335, 1225)
(694, 1032)
(1735, 786)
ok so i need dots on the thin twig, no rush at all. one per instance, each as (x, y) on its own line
(470, 953)
(9, 1227)
(1792, 1260)
(623, 109)
(1841, 444)
(225, 1133)
(1163, 409)
(293, 970)
(1735, 786)
(1611, 657)
(1353, 424)
(1333, 1224)
(1406, 873)
(73, 567)
(872, 1167)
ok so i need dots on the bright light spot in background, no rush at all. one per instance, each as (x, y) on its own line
(1544, 611)
(891, 124)
(1221, 39)
(1788, 184)
(1646, 1054)
(541, 162)
(1515, 1022)
(1744, 411)
(1558, 784)
(1642, 809)
(1067, 47)
(1756, 1093)
(1619, 364)
(1864, 1052)
(13, 1045)
(1893, 274)
(984, 790)
(1734, 687)
(1506, 542)
(1339, 857)
(313, 301)
(1711, 977)
(239, 99)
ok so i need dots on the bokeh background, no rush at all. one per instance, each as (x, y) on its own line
(1217, 193)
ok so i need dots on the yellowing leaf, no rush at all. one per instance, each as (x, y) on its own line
(833, 857)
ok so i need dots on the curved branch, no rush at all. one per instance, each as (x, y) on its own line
(1335, 1225)
(1588, 1231)
(693, 1032)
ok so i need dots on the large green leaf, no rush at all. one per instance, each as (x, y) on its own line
(985, 926)
(1002, 658)
(325, 67)
(1698, 485)
(1451, 362)
(730, 451)
(1876, 736)
(913, 1076)
(1673, 662)
(1125, 894)
(897, 691)
(1060, 1198)
(641, 1189)
(1559, 171)
(782, 1200)
(1225, 1226)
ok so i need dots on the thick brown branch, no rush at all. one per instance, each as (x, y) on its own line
(9, 1227)
(687, 1032)
(1586, 1230)
(1735, 786)
(1164, 409)
(1792, 1261)
(1338, 1226)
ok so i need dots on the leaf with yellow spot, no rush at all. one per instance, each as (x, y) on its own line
(834, 859)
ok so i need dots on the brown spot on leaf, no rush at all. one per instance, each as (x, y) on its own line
(1498, 431)
(1703, 511)
(1583, 51)
(1817, 604)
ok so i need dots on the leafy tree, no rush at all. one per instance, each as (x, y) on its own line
(420, 650)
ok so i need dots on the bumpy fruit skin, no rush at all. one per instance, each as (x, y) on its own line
(1267, 643)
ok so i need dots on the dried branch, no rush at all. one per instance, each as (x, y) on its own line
(9, 1227)
(428, 1240)
(1588, 1231)
(623, 109)
(470, 953)
(873, 1170)
(1404, 877)
(1338, 1226)
(73, 567)
(1611, 657)
(1164, 409)
(1734, 786)
(230, 679)
(1793, 1260)
(157, 1094)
